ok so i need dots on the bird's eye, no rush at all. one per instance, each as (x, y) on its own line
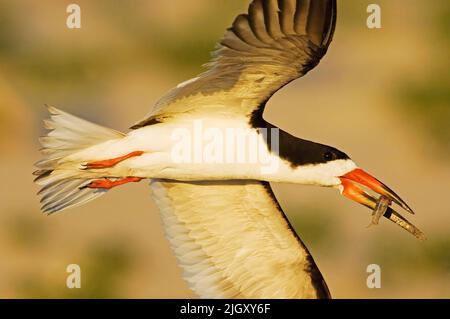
(328, 156)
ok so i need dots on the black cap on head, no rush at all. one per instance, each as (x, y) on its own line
(302, 152)
(297, 151)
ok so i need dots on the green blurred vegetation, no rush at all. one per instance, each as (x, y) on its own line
(403, 260)
(103, 264)
(6, 24)
(182, 50)
(104, 268)
(25, 229)
(103, 272)
(315, 225)
(428, 98)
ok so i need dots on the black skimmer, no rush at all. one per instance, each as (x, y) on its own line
(222, 219)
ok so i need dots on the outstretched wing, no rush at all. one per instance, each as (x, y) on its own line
(274, 44)
(233, 241)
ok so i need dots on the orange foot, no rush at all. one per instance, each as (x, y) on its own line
(108, 184)
(111, 162)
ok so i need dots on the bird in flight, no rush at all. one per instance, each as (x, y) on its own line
(226, 227)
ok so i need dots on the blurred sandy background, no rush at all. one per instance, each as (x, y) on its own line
(385, 92)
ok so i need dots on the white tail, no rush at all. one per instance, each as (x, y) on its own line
(63, 189)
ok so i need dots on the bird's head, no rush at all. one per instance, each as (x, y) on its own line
(327, 166)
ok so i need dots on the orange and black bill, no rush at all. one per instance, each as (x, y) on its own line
(352, 191)
(361, 177)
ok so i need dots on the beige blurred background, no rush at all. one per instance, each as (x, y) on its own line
(382, 96)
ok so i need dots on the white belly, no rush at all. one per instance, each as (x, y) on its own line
(203, 149)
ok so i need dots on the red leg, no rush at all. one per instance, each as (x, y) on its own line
(111, 162)
(108, 184)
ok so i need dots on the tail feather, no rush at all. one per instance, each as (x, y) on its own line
(76, 197)
(63, 188)
(66, 189)
(70, 134)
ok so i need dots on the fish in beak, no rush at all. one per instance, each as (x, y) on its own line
(350, 190)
